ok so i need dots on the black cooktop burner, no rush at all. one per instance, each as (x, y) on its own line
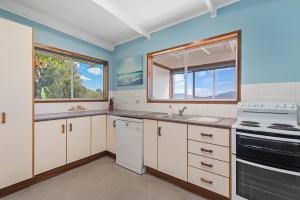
(249, 125)
(249, 122)
(282, 125)
(284, 128)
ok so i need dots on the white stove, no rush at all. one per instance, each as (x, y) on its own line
(266, 152)
(278, 118)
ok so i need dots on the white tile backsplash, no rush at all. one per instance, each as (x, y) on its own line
(275, 92)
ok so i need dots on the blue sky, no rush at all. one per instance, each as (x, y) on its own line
(225, 82)
(92, 77)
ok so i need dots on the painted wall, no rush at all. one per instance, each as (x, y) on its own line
(270, 39)
(51, 37)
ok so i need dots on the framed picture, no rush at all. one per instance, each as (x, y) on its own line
(130, 71)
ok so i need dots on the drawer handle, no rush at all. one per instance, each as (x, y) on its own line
(206, 150)
(206, 181)
(206, 165)
(3, 115)
(63, 128)
(114, 123)
(206, 135)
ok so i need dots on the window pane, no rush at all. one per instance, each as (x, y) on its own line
(225, 83)
(88, 81)
(204, 84)
(52, 78)
(189, 82)
(179, 86)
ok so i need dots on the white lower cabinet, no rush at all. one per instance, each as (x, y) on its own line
(150, 143)
(50, 145)
(78, 138)
(111, 134)
(98, 134)
(172, 149)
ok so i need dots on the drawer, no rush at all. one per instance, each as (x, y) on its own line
(212, 182)
(209, 150)
(208, 164)
(209, 135)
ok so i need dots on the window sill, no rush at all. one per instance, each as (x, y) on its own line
(193, 101)
(70, 100)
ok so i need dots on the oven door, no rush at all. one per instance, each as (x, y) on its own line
(253, 181)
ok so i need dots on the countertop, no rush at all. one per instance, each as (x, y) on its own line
(223, 123)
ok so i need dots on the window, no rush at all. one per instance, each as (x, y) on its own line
(205, 71)
(65, 76)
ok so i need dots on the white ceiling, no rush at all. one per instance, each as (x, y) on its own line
(107, 23)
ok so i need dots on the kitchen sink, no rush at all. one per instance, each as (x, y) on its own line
(205, 119)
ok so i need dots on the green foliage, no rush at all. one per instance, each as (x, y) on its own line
(54, 80)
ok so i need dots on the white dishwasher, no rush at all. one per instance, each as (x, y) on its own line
(129, 144)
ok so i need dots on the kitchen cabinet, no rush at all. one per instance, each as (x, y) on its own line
(78, 138)
(50, 145)
(111, 133)
(16, 103)
(172, 149)
(98, 134)
(150, 143)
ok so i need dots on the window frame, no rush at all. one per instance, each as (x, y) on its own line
(227, 36)
(66, 53)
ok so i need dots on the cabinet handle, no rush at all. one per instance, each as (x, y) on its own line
(206, 165)
(63, 128)
(3, 116)
(159, 131)
(70, 127)
(206, 150)
(114, 123)
(206, 135)
(206, 181)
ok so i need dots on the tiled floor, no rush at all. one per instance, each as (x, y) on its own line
(103, 180)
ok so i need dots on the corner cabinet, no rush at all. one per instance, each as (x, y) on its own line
(98, 134)
(16, 111)
(111, 133)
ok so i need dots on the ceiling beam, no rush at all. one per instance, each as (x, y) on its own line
(122, 16)
(211, 7)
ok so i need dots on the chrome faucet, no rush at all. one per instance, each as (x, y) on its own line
(180, 111)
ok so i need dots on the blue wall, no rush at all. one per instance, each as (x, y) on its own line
(270, 39)
(51, 37)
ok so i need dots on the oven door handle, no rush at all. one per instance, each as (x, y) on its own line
(268, 137)
(268, 168)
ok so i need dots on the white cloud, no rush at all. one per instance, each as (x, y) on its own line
(82, 77)
(95, 71)
(203, 92)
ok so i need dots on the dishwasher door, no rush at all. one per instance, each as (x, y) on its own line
(129, 144)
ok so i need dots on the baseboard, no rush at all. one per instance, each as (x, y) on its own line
(110, 154)
(186, 185)
(49, 174)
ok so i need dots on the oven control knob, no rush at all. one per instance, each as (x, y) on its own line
(277, 105)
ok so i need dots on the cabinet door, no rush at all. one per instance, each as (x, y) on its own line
(15, 103)
(172, 149)
(49, 145)
(111, 134)
(78, 138)
(98, 140)
(150, 143)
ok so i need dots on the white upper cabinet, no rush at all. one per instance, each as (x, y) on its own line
(98, 140)
(15, 103)
(111, 133)
(78, 138)
(172, 149)
(50, 145)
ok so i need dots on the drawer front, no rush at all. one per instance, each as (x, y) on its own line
(208, 164)
(209, 150)
(209, 135)
(212, 182)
